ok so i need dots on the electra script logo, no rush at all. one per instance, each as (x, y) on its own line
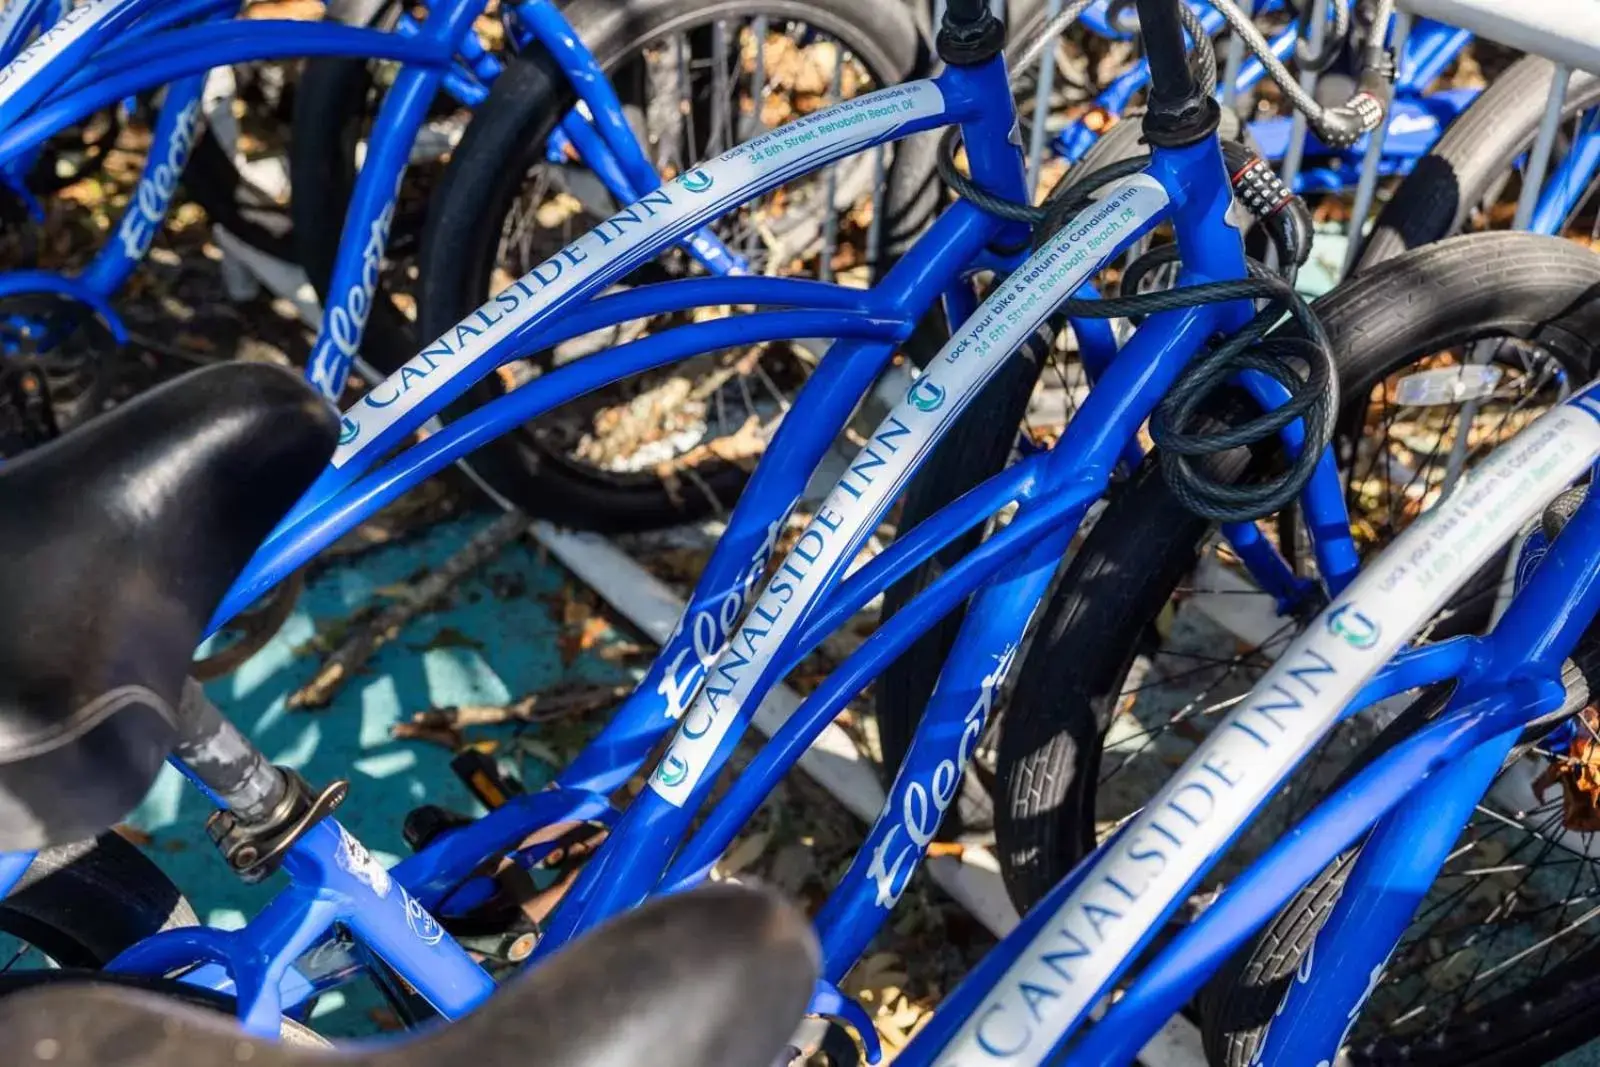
(922, 807)
(157, 185)
(344, 323)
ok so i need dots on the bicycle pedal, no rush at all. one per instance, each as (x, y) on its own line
(423, 825)
(27, 418)
(511, 946)
(482, 777)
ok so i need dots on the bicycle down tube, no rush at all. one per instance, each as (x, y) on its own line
(963, 218)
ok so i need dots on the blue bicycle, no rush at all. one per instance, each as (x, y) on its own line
(439, 64)
(273, 818)
(1472, 709)
(401, 918)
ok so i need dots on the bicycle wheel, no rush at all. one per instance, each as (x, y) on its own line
(290, 1032)
(1475, 165)
(1132, 654)
(80, 905)
(1501, 963)
(678, 444)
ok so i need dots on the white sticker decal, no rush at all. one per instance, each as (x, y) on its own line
(153, 195)
(700, 193)
(881, 468)
(425, 926)
(1254, 749)
(922, 806)
(71, 26)
(354, 859)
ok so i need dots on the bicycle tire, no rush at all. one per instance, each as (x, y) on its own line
(1145, 542)
(85, 902)
(1458, 172)
(290, 1032)
(485, 174)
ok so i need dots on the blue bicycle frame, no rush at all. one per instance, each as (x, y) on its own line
(1023, 1002)
(869, 322)
(75, 58)
(704, 676)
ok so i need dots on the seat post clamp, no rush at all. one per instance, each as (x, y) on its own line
(255, 850)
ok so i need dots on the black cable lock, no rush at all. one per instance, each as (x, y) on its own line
(1262, 345)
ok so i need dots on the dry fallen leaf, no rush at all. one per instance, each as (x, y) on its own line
(744, 853)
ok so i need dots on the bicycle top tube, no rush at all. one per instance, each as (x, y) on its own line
(620, 243)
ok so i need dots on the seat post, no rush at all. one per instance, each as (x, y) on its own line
(266, 808)
(225, 760)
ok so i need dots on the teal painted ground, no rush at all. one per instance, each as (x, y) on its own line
(494, 642)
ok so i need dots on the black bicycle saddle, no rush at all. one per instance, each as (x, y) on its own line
(716, 977)
(117, 541)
